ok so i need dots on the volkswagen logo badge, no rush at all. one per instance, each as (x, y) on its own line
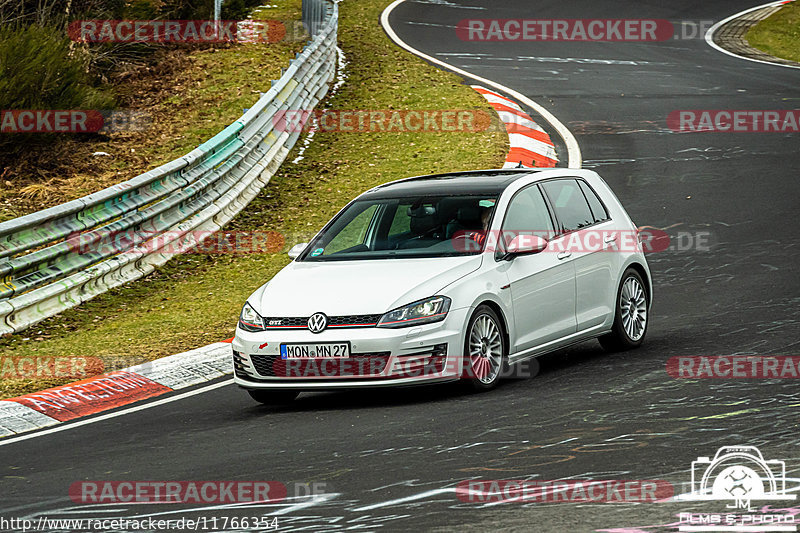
(317, 322)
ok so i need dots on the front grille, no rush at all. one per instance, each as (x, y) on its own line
(353, 321)
(349, 321)
(240, 366)
(286, 322)
(361, 364)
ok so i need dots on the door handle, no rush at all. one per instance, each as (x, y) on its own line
(609, 238)
(563, 255)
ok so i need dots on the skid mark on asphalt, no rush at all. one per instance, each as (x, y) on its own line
(413, 498)
(608, 127)
(432, 24)
(448, 3)
(586, 61)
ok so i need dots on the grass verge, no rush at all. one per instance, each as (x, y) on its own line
(188, 94)
(779, 34)
(196, 298)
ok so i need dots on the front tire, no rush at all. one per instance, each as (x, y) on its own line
(273, 397)
(484, 350)
(631, 314)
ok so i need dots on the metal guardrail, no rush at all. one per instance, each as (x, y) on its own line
(314, 14)
(59, 257)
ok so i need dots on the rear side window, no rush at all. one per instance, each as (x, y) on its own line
(572, 209)
(598, 209)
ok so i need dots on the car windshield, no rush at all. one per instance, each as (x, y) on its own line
(422, 226)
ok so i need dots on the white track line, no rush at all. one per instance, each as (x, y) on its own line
(115, 414)
(710, 35)
(415, 497)
(573, 149)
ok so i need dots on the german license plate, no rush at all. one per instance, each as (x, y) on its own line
(338, 350)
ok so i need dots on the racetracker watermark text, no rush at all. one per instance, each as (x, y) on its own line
(186, 31)
(734, 367)
(563, 491)
(591, 30)
(72, 121)
(195, 492)
(587, 240)
(646, 240)
(384, 120)
(50, 367)
(734, 121)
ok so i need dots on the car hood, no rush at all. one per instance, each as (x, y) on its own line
(340, 288)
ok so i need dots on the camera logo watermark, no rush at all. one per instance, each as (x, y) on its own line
(737, 475)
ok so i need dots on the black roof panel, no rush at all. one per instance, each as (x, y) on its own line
(490, 182)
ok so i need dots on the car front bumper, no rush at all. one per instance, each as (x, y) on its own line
(380, 357)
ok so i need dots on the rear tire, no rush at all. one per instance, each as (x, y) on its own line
(484, 350)
(273, 397)
(631, 316)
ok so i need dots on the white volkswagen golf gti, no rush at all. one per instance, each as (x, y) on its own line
(445, 277)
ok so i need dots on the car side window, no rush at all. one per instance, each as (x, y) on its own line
(401, 222)
(527, 214)
(353, 235)
(598, 209)
(572, 209)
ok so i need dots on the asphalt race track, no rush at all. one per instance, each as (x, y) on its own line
(389, 460)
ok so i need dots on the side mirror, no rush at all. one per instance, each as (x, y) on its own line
(297, 249)
(525, 245)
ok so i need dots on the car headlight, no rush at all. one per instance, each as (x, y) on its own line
(250, 320)
(422, 312)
